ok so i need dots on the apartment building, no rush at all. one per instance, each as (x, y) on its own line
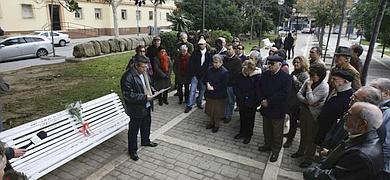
(93, 18)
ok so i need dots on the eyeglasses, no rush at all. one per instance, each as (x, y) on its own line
(296, 62)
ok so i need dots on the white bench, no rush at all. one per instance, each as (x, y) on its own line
(64, 141)
(267, 43)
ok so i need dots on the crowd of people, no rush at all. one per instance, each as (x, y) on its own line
(343, 124)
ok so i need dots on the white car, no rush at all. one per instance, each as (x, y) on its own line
(60, 39)
(24, 46)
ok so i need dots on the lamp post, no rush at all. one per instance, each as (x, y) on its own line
(280, 2)
(293, 12)
(203, 15)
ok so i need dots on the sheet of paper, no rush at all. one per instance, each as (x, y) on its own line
(159, 92)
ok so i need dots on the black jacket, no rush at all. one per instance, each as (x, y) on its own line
(355, 159)
(195, 68)
(217, 78)
(247, 90)
(275, 88)
(133, 94)
(233, 65)
(333, 109)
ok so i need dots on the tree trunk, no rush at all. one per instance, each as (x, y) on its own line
(114, 5)
(374, 36)
(340, 27)
(327, 41)
(321, 37)
(155, 18)
(383, 49)
(252, 19)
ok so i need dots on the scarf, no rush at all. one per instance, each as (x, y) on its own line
(184, 64)
(164, 62)
(147, 89)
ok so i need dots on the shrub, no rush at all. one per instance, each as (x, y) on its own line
(169, 40)
(214, 35)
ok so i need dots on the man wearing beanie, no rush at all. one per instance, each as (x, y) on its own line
(275, 86)
(336, 105)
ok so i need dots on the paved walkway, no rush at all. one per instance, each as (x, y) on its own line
(186, 151)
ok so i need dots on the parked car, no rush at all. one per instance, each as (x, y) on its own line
(60, 39)
(17, 47)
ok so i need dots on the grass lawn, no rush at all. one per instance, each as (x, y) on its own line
(378, 48)
(255, 42)
(43, 90)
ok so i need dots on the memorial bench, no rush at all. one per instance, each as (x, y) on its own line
(65, 141)
(267, 43)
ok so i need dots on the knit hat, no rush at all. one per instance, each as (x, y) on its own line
(343, 74)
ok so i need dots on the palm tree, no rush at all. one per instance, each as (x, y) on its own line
(179, 21)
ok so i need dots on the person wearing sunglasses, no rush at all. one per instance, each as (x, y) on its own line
(275, 86)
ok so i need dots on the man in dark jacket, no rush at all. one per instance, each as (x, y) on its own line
(359, 157)
(137, 94)
(275, 86)
(199, 63)
(233, 64)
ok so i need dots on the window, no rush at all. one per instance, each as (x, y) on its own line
(160, 15)
(166, 15)
(124, 14)
(98, 13)
(27, 11)
(14, 41)
(78, 13)
(32, 39)
(150, 15)
(138, 15)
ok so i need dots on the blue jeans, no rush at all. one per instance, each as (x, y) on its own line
(386, 166)
(230, 100)
(196, 84)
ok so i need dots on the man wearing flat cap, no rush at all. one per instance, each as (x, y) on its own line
(335, 106)
(343, 56)
(275, 86)
(360, 156)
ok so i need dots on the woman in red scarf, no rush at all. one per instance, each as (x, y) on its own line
(180, 68)
(161, 75)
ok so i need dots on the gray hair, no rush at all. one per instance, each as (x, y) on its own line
(255, 54)
(383, 84)
(374, 96)
(183, 34)
(183, 47)
(218, 57)
(370, 113)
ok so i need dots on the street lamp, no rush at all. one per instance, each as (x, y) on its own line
(294, 11)
(280, 2)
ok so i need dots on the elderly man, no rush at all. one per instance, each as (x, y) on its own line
(383, 84)
(359, 157)
(337, 133)
(336, 105)
(198, 65)
(343, 55)
(315, 56)
(183, 40)
(137, 94)
(275, 86)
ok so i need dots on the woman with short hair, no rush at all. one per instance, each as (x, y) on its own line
(216, 81)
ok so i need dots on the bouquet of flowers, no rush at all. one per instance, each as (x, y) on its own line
(75, 110)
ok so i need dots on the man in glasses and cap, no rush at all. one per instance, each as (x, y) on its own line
(275, 86)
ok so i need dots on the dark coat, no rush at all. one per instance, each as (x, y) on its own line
(247, 90)
(161, 80)
(182, 75)
(195, 68)
(217, 78)
(275, 88)
(288, 42)
(333, 109)
(152, 52)
(233, 65)
(133, 94)
(355, 159)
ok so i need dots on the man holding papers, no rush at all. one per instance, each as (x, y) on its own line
(137, 94)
